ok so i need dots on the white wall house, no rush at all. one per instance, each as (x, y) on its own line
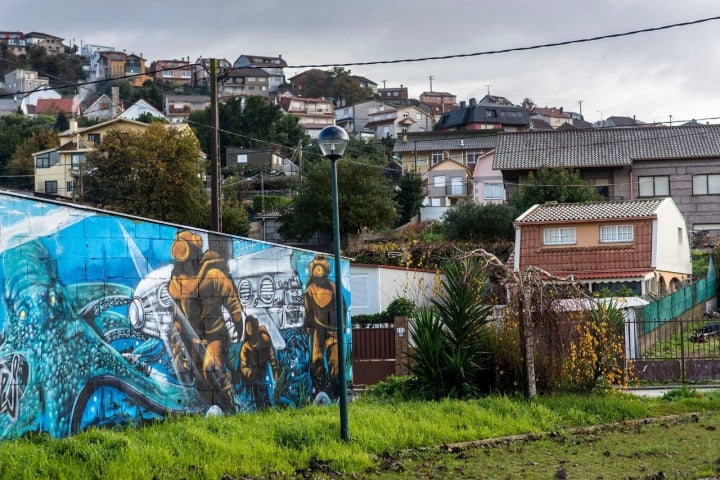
(374, 287)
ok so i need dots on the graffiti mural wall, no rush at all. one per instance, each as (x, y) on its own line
(111, 320)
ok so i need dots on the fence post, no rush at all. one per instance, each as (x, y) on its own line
(682, 349)
(402, 335)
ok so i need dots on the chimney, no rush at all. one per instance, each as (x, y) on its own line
(73, 124)
(472, 102)
(115, 100)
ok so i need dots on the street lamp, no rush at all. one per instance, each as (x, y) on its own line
(332, 141)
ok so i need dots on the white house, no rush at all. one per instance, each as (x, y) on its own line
(374, 287)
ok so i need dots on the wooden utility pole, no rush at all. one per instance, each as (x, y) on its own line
(214, 150)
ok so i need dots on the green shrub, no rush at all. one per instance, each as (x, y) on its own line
(470, 221)
(400, 307)
(451, 352)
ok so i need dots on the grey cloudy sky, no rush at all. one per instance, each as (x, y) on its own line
(654, 76)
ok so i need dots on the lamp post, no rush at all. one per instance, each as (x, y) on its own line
(332, 141)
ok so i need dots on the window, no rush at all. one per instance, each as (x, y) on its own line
(437, 157)
(406, 114)
(94, 137)
(559, 236)
(654, 186)
(706, 184)
(493, 191)
(77, 159)
(457, 186)
(616, 233)
(42, 161)
(491, 113)
(167, 73)
(472, 156)
(439, 181)
(51, 186)
(186, 74)
(69, 186)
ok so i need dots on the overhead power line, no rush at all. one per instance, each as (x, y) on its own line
(514, 49)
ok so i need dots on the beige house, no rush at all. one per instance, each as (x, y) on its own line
(447, 183)
(641, 245)
(24, 81)
(313, 114)
(58, 171)
(417, 152)
(403, 120)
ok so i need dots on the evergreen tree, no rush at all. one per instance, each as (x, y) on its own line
(365, 198)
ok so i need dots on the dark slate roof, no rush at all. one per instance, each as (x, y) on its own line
(561, 212)
(484, 113)
(604, 147)
(452, 140)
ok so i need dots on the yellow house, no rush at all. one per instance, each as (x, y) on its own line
(58, 171)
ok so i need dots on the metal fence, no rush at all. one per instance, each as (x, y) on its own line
(681, 349)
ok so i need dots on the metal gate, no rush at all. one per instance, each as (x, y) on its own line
(373, 354)
(677, 351)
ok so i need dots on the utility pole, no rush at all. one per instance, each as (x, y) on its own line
(300, 162)
(214, 149)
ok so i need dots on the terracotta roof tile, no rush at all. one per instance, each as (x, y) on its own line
(560, 212)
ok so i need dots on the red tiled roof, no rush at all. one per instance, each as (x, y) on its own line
(54, 106)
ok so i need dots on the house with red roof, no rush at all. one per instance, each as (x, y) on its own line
(53, 106)
(640, 245)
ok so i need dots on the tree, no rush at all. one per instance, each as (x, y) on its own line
(62, 123)
(14, 131)
(553, 184)
(20, 170)
(337, 84)
(155, 174)
(235, 219)
(316, 83)
(471, 221)
(410, 197)
(365, 198)
(251, 122)
(529, 106)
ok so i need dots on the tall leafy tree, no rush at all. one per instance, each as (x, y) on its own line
(155, 174)
(252, 122)
(20, 171)
(365, 199)
(557, 184)
(14, 131)
(337, 84)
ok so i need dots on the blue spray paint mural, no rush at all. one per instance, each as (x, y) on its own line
(110, 320)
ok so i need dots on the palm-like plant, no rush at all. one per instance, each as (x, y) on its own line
(450, 336)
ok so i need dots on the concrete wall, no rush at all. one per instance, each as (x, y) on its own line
(108, 319)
